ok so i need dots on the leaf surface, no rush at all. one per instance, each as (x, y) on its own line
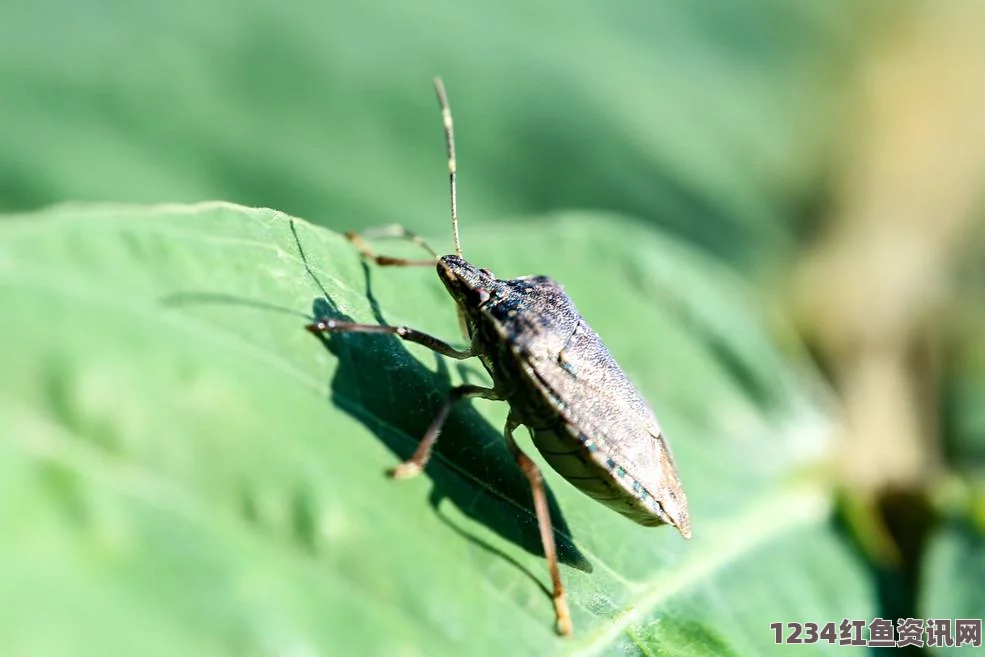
(187, 471)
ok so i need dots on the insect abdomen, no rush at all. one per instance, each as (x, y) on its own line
(576, 461)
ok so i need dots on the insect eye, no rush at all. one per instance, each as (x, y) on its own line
(484, 295)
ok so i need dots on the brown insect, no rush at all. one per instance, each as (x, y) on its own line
(586, 417)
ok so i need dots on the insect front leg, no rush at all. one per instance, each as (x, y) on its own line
(402, 332)
(394, 231)
(415, 464)
(536, 480)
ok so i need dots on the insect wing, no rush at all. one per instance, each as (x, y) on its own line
(604, 409)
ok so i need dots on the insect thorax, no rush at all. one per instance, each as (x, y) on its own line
(512, 323)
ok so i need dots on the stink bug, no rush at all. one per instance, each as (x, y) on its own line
(585, 416)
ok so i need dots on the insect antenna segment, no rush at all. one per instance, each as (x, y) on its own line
(439, 87)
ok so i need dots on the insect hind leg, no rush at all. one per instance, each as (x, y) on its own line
(392, 231)
(536, 480)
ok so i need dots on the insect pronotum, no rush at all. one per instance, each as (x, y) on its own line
(585, 416)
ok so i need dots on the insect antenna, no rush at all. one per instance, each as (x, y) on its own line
(439, 87)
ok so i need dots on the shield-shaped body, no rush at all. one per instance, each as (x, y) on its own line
(587, 418)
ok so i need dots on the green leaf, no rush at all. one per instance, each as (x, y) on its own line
(187, 471)
(953, 573)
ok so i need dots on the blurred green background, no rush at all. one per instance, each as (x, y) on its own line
(713, 120)
(831, 154)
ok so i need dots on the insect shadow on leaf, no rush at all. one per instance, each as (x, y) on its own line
(381, 384)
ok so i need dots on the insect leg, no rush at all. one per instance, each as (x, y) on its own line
(394, 231)
(419, 459)
(402, 332)
(536, 480)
